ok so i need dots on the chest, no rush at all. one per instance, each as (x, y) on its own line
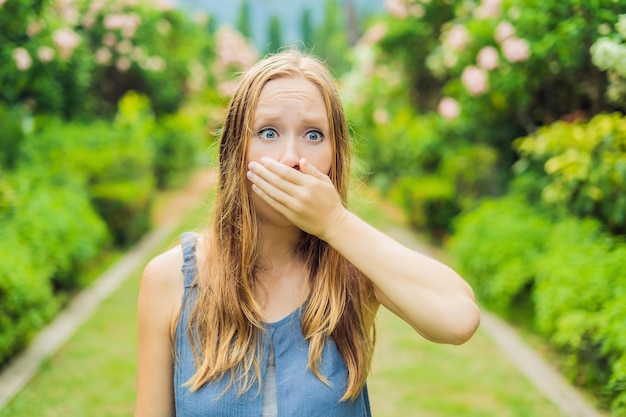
(298, 390)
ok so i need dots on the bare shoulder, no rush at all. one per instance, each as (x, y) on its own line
(162, 284)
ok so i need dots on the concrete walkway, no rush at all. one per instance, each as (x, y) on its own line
(13, 378)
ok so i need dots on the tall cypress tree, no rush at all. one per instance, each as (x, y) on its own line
(275, 34)
(243, 21)
(306, 28)
(331, 38)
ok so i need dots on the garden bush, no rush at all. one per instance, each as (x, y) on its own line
(113, 160)
(578, 276)
(560, 276)
(428, 201)
(50, 231)
(178, 141)
(11, 136)
(497, 245)
(581, 166)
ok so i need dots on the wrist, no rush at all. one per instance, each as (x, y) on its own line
(337, 227)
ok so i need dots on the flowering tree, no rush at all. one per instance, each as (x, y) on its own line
(75, 57)
(480, 74)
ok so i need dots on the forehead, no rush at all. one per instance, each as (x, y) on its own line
(298, 90)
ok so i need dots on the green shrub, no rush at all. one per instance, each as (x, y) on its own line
(428, 201)
(562, 277)
(496, 246)
(49, 232)
(584, 165)
(178, 140)
(575, 279)
(11, 136)
(114, 161)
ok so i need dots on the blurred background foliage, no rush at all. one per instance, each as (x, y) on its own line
(497, 125)
(103, 103)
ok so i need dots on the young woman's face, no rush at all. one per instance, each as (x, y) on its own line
(291, 123)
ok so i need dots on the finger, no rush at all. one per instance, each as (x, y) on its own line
(273, 195)
(284, 171)
(258, 172)
(310, 169)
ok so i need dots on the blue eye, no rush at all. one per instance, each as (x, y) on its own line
(268, 134)
(314, 136)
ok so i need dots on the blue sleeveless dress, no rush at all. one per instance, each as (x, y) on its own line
(298, 391)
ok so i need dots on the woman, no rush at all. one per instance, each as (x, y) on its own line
(272, 311)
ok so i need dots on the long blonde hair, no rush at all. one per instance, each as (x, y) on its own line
(225, 323)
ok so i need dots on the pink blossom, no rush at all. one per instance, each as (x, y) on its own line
(34, 28)
(114, 21)
(126, 23)
(2, 2)
(375, 33)
(155, 63)
(397, 8)
(488, 9)
(124, 47)
(109, 39)
(417, 10)
(449, 108)
(504, 30)
(89, 21)
(488, 58)
(138, 54)
(66, 40)
(67, 10)
(96, 5)
(380, 116)
(22, 59)
(233, 50)
(103, 56)
(123, 64)
(475, 80)
(456, 38)
(164, 5)
(45, 54)
(515, 49)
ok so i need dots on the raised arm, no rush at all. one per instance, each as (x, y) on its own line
(427, 294)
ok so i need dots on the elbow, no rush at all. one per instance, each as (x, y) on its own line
(468, 320)
(455, 326)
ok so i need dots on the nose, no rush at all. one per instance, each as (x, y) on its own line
(290, 153)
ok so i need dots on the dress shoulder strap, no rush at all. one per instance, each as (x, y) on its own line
(189, 241)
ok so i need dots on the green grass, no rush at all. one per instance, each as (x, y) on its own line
(93, 375)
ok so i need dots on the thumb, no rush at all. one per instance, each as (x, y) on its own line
(309, 169)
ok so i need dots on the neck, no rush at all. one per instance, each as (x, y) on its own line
(278, 245)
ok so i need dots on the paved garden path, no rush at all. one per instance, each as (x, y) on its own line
(547, 380)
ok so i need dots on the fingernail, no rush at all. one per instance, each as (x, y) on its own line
(264, 160)
(249, 174)
(252, 165)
